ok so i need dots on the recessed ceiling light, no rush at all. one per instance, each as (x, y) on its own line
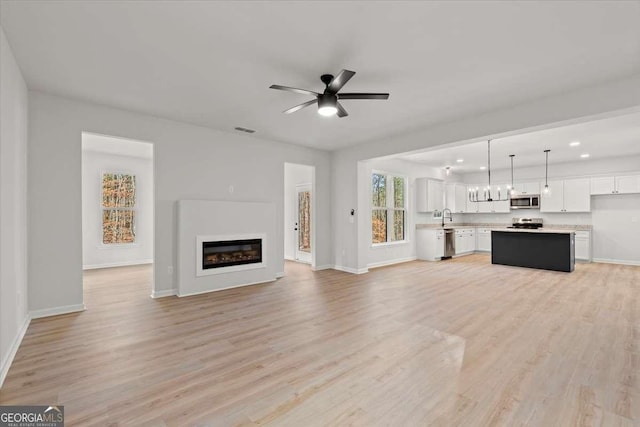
(460, 160)
(574, 143)
(482, 168)
(585, 155)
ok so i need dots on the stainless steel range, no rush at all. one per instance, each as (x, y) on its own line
(529, 223)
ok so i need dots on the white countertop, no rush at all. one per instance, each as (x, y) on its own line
(505, 228)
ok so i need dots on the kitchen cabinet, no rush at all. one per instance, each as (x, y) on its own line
(483, 239)
(583, 245)
(527, 188)
(465, 240)
(429, 194)
(456, 197)
(623, 184)
(429, 244)
(570, 195)
(628, 184)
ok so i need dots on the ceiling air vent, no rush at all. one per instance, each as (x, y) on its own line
(241, 129)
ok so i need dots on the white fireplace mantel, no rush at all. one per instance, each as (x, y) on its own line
(223, 220)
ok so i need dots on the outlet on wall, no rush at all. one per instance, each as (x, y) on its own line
(170, 269)
(634, 219)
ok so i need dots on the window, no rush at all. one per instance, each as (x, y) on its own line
(388, 208)
(118, 208)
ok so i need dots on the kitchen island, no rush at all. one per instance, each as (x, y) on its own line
(541, 248)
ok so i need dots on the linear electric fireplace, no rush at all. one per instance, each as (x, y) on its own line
(223, 254)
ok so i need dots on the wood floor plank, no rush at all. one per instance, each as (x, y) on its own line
(455, 343)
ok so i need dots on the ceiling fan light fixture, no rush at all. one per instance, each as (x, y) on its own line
(327, 105)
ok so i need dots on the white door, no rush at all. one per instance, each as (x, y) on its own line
(303, 224)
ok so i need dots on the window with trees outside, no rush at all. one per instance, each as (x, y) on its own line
(118, 208)
(388, 207)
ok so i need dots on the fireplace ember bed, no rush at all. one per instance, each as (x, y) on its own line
(228, 253)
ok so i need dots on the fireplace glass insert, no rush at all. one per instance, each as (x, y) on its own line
(231, 252)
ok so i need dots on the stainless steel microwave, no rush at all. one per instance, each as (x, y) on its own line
(525, 202)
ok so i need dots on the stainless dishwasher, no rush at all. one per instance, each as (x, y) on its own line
(449, 243)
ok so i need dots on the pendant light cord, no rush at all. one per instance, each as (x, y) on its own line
(512, 156)
(546, 168)
(489, 162)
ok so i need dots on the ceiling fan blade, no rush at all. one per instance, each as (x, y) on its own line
(363, 96)
(340, 80)
(341, 111)
(300, 107)
(293, 89)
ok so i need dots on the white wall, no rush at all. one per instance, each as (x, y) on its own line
(294, 175)
(13, 206)
(191, 162)
(616, 228)
(620, 96)
(95, 254)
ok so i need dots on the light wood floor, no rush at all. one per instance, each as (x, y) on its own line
(455, 343)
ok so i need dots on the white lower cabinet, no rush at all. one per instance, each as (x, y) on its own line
(429, 244)
(583, 245)
(483, 239)
(465, 240)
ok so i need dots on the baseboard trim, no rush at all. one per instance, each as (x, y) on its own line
(391, 262)
(289, 258)
(163, 293)
(15, 345)
(616, 261)
(322, 267)
(351, 270)
(56, 311)
(280, 275)
(190, 294)
(117, 264)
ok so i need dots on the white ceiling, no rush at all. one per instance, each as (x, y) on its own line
(211, 63)
(612, 137)
(118, 146)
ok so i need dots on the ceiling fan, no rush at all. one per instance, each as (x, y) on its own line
(327, 101)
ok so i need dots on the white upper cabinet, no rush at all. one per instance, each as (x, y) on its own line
(461, 196)
(623, 184)
(554, 201)
(471, 206)
(527, 187)
(429, 194)
(628, 184)
(570, 195)
(577, 195)
(456, 197)
(603, 185)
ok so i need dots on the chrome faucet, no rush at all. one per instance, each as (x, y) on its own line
(445, 217)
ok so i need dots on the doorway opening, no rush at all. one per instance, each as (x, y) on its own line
(299, 227)
(117, 218)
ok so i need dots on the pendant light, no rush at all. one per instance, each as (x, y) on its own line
(513, 191)
(473, 194)
(546, 191)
